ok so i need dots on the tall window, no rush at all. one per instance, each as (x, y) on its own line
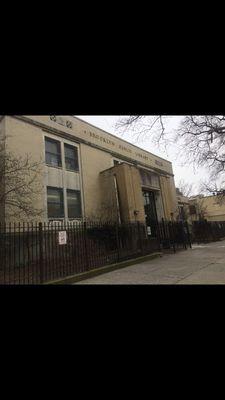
(71, 158)
(55, 202)
(146, 178)
(53, 152)
(74, 204)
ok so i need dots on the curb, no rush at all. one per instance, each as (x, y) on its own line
(99, 271)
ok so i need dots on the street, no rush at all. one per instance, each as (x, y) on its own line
(203, 264)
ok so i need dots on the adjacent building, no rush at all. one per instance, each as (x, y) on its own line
(210, 208)
(182, 206)
(87, 173)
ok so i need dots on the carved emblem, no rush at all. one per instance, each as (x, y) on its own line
(53, 118)
(61, 121)
(69, 124)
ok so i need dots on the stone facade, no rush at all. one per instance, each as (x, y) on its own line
(109, 174)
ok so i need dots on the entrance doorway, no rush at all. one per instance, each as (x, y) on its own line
(150, 212)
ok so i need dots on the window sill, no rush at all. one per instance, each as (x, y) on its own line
(73, 170)
(76, 217)
(53, 166)
(50, 219)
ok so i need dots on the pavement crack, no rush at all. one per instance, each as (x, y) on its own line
(200, 269)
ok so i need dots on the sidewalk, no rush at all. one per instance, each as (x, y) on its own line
(203, 264)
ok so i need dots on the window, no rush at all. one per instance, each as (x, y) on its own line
(55, 203)
(146, 178)
(71, 158)
(74, 204)
(53, 152)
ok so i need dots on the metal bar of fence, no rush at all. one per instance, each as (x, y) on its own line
(88, 244)
(23, 255)
(4, 254)
(31, 253)
(173, 237)
(64, 249)
(45, 250)
(19, 248)
(84, 246)
(9, 250)
(64, 258)
(68, 250)
(75, 249)
(78, 250)
(28, 252)
(41, 257)
(54, 273)
(51, 250)
(188, 234)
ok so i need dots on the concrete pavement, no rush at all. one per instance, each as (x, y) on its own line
(203, 264)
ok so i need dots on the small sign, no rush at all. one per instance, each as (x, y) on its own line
(62, 237)
(149, 231)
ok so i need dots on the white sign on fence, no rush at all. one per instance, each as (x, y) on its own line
(62, 237)
(149, 231)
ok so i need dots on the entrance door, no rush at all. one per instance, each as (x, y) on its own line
(150, 211)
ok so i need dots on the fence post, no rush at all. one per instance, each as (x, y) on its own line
(184, 235)
(171, 228)
(87, 253)
(2, 251)
(139, 237)
(164, 231)
(188, 235)
(117, 243)
(158, 236)
(41, 258)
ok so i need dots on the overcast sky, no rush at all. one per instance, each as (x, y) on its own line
(186, 173)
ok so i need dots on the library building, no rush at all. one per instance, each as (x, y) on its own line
(89, 174)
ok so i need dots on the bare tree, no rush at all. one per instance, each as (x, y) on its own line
(104, 213)
(201, 139)
(143, 126)
(185, 189)
(213, 188)
(198, 208)
(19, 184)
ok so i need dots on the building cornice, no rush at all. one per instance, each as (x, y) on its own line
(116, 137)
(75, 139)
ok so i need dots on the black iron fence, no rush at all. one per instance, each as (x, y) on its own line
(206, 231)
(38, 253)
(174, 235)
